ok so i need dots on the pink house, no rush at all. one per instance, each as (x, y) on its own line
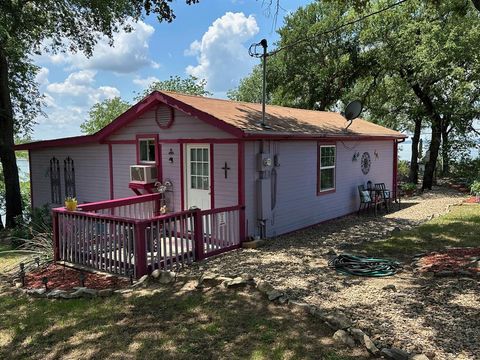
(248, 180)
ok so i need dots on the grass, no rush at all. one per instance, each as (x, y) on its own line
(459, 228)
(166, 323)
(9, 260)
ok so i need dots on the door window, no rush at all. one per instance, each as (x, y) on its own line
(199, 169)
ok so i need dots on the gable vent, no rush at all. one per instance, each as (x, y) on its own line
(164, 116)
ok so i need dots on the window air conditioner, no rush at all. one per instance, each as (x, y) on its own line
(143, 174)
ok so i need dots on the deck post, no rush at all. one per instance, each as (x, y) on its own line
(140, 250)
(56, 237)
(198, 235)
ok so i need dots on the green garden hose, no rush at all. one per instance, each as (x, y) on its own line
(363, 266)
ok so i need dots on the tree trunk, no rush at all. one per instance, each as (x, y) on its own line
(13, 198)
(430, 166)
(445, 151)
(413, 174)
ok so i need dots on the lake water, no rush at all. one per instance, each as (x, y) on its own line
(24, 173)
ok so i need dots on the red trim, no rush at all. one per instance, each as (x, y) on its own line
(320, 137)
(212, 179)
(159, 162)
(170, 122)
(118, 142)
(241, 188)
(139, 137)
(56, 244)
(182, 179)
(136, 187)
(140, 250)
(30, 176)
(200, 141)
(330, 191)
(395, 169)
(110, 167)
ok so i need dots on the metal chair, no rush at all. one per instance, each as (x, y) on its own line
(366, 199)
(384, 194)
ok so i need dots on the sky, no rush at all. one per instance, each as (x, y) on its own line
(208, 40)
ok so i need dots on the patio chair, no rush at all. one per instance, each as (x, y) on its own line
(365, 199)
(384, 194)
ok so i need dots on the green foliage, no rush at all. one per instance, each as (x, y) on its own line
(408, 187)
(190, 85)
(475, 187)
(103, 113)
(466, 170)
(250, 88)
(403, 169)
(32, 223)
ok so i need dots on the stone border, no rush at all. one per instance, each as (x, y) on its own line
(345, 332)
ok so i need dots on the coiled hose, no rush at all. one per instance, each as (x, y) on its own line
(363, 266)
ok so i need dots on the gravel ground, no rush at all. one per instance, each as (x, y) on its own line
(439, 317)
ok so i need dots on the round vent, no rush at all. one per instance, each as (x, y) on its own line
(164, 116)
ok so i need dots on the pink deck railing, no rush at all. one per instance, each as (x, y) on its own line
(126, 236)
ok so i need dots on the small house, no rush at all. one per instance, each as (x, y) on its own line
(187, 155)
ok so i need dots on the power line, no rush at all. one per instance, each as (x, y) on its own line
(362, 18)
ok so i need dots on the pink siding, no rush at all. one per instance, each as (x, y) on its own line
(298, 205)
(171, 171)
(226, 190)
(297, 202)
(123, 156)
(184, 127)
(91, 172)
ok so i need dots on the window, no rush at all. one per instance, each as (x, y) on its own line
(147, 150)
(55, 189)
(199, 169)
(326, 168)
(69, 176)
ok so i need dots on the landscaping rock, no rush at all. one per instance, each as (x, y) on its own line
(166, 277)
(18, 284)
(142, 281)
(390, 287)
(264, 287)
(395, 354)
(274, 295)
(237, 282)
(211, 280)
(105, 292)
(84, 292)
(342, 337)
(283, 299)
(419, 357)
(156, 273)
(296, 305)
(364, 339)
(38, 292)
(56, 294)
(337, 321)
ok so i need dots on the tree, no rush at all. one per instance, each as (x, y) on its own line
(250, 88)
(190, 85)
(411, 64)
(103, 113)
(29, 27)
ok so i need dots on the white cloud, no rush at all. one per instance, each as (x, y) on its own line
(42, 76)
(129, 53)
(222, 58)
(144, 82)
(79, 87)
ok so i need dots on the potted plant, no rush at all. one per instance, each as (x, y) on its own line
(475, 190)
(71, 204)
(408, 188)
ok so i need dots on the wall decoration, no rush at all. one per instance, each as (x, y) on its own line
(356, 155)
(365, 163)
(171, 153)
(226, 168)
(375, 153)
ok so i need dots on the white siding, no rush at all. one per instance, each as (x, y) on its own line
(91, 172)
(251, 149)
(171, 171)
(123, 155)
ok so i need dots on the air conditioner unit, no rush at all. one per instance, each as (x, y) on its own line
(143, 174)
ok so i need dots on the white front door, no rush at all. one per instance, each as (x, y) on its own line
(198, 176)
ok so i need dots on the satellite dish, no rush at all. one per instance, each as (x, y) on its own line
(353, 110)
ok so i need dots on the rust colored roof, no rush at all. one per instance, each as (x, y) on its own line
(282, 120)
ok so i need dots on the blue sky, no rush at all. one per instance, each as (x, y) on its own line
(208, 40)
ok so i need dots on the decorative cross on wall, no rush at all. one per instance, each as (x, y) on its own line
(226, 168)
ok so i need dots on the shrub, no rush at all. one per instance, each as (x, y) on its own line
(403, 169)
(475, 187)
(408, 187)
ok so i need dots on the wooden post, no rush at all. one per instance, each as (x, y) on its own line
(140, 250)
(198, 234)
(56, 237)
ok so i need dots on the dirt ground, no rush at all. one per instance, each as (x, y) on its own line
(438, 317)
